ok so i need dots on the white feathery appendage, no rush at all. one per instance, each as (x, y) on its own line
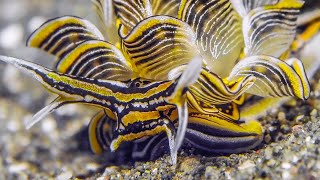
(188, 77)
(182, 127)
(44, 112)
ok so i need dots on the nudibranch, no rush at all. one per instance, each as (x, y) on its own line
(178, 67)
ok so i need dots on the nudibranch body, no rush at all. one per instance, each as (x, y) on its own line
(179, 67)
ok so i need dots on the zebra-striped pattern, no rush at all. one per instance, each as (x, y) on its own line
(269, 30)
(95, 72)
(218, 31)
(275, 78)
(210, 89)
(227, 111)
(138, 105)
(101, 130)
(215, 135)
(130, 13)
(97, 60)
(206, 133)
(159, 44)
(165, 7)
(60, 35)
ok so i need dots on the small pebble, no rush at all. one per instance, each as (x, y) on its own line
(189, 165)
(286, 165)
(286, 175)
(277, 150)
(295, 159)
(281, 116)
(64, 176)
(18, 167)
(110, 170)
(267, 138)
(314, 113)
(248, 164)
(271, 163)
(126, 172)
(92, 166)
(285, 128)
(211, 172)
(299, 118)
(297, 129)
(154, 171)
(49, 125)
(308, 138)
(268, 153)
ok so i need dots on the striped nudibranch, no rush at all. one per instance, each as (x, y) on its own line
(140, 106)
(176, 67)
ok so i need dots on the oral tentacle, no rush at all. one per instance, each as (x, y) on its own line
(55, 104)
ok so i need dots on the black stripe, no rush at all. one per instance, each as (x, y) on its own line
(280, 16)
(58, 37)
(156, 146)
(138, 126)
(100, 132)
(68, 41)
(282, 79)
(213, 144)
(93, 53)
(141, 43)
(218, 132)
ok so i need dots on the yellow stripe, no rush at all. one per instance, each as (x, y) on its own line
(108, 92)
(284, 4)
(220, 93)
(74, 55)
(309, 33)
(137, 116)
(214, 121)
(181, 8)
(298, 67)
(159, 44)
(240, 100)
(131, 13)
(293, 79)
(42, 34)
(132, 136)
(94, 144)
(144, 26)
